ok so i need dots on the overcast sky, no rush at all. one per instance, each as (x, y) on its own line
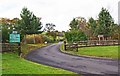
(59, 12)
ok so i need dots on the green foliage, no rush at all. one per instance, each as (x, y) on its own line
(49, 27)
(25, 22)
(74, 24)
(35, 27)
(92, 25)
(29, 24)
(75, 35)
(48, 39)
(105, 23)
(6, 30)
(116, 32)
(103, 26)
(53, 34)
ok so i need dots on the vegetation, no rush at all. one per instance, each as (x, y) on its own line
(7, 26)
(104, 25)
(26, 48)
(38, 38)
(29, 24)
(76, 32)
(92, 25)
(50, 29)
(96, 51)
(74, 24)
(12, 64)
(75, 35)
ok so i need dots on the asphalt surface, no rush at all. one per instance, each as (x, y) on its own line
(51, 55)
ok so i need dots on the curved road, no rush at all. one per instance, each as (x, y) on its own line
(51, 55)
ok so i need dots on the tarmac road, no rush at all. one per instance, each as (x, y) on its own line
(51, 55)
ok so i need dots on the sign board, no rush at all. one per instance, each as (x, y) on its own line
(14, 37)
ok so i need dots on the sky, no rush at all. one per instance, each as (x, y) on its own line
(59, 12)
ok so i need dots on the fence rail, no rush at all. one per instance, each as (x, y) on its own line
(10, 47)
(78, 44)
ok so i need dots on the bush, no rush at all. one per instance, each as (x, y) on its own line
(48, 39)
(38, 39)
(75, 35)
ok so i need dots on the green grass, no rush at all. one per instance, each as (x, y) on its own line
(12, 64)
(97, 51)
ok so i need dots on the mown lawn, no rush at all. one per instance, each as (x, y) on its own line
(97, 51)
(13, 64)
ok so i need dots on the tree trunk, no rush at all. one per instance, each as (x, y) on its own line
(25, 39)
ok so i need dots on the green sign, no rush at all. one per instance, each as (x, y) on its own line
(14, 37)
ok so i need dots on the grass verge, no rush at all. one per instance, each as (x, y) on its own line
(13, 64)
(97, 51)
(26, 48)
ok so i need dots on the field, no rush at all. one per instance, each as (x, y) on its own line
(97, 51)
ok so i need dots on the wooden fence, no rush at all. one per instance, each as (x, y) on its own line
(79, 44)
(10, 47)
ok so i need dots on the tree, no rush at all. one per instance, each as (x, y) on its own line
(105, 23)
(53, 34)
(92, 26)
(36, 26)
(5, 32)
(77, 30)
(116, 32)
(74, 24)
(49, 27)
(7, 26)
(29, 24)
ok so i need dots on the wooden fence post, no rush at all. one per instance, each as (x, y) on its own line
(76, 46)
(65, 45)
(19, 49)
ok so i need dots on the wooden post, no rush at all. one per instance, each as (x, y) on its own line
(19, 49)
(76, 47)
(65, 45)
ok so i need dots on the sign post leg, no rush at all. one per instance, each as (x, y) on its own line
(19, 49)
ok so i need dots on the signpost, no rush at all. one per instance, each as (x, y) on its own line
(15, 38)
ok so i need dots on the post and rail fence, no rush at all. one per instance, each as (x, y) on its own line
(88, 43)
(11, 47)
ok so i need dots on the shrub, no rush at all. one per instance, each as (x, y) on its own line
(48, 39)
(75, 35)
(38, 39)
